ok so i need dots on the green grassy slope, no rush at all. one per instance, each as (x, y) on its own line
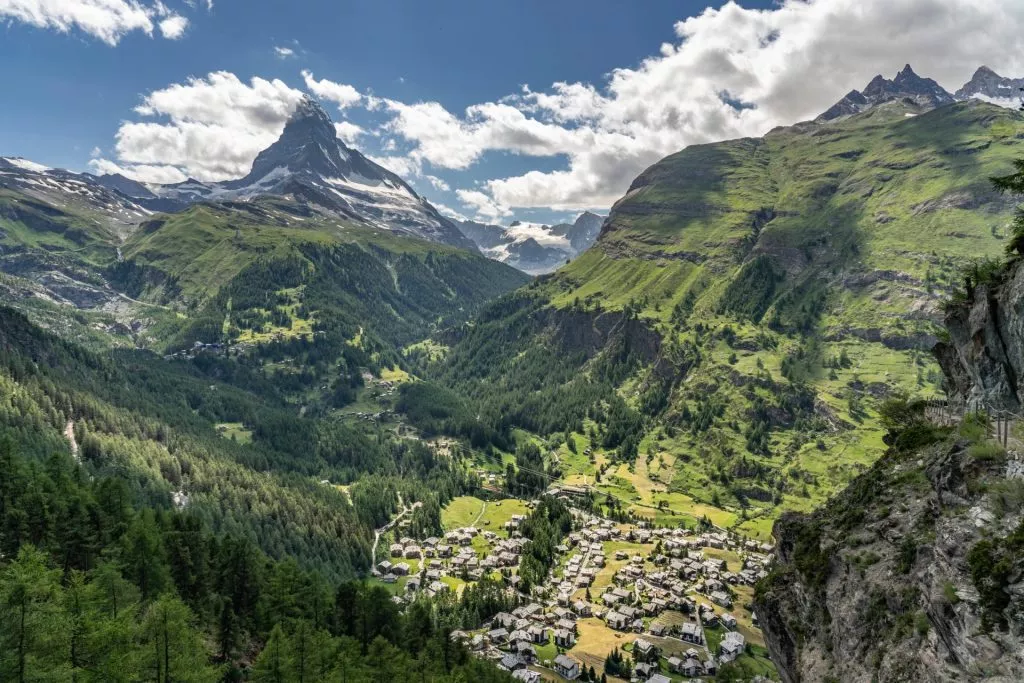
(792, 282)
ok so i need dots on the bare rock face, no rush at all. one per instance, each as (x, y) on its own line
(879, 586)
(983, 360)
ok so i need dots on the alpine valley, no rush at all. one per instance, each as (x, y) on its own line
(303, 426)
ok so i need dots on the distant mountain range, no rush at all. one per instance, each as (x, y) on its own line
(535, 249)
(986, 85)
(308, 164)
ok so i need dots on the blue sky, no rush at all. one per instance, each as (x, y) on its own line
(436, 88)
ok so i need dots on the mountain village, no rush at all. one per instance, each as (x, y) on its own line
(674, 601)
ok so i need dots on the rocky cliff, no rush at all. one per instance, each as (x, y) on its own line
(912, 574)
(916, 571)
(983, 359)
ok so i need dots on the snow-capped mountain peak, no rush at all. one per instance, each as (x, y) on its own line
(308, 163)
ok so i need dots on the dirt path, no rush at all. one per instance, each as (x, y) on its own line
(482, 511)
(69, 434)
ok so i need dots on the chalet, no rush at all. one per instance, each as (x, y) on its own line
(643, 647)
(629, 612)
(563, 613)
(731, 646)
(659, 629)
(384, 566)
(690, 632)
(564, 637)
(497, 636)
(567, 667)
(728, 620)
(644, 670)
(526, 676)
(659, 678)
(437, 588)
(431, 542)
(412, 552)
(721, 598)
(619, 554)
(581, 608)
(444, 551)
(511, 663)
(519, 634)
(710, 668)
(400, 569)
(538, 634)
(476, 642)
(610, 599)
(504, 620)
(412, 585)
(617, 621)
(525, 651)
(396, 550)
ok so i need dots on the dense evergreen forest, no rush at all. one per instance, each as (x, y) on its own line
(150, 423)
(96, 588)
(138, 543)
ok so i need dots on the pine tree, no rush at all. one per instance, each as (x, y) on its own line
(33, 623)
(176, 649)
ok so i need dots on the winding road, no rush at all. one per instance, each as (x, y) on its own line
(406, 509)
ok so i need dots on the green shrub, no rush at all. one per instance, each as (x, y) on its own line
(987, 451)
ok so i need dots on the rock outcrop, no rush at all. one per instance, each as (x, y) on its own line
(983, 359)
(882, 584)
(916, 571)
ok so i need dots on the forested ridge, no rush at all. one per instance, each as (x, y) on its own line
(164, 551)
(149, 422)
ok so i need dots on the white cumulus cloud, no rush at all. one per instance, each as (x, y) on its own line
(732, 72)
(341, 94)
(106, 20)
(348, 131)
(438, 183)
(208, 128)
(483, 206)
(173, 27)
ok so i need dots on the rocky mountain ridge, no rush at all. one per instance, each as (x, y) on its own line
(535, 249)
(925, 93)
(307, 164)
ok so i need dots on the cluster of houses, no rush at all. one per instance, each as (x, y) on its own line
(673, 577)
(454, 556)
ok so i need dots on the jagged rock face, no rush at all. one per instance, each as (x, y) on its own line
(983, 361)
(907, 85)
(988, 85)
(876, 586)
(582, 232)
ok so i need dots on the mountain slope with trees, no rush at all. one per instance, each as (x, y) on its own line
(749, 303)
